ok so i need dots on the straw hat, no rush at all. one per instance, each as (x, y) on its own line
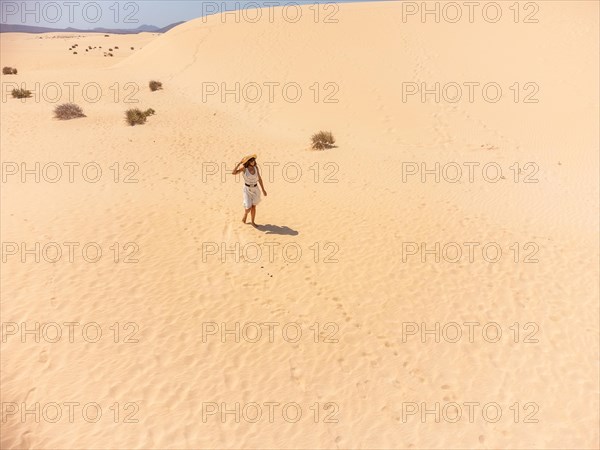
(248, 158)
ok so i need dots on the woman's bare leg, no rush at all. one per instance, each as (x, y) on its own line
(246, 215)
(253, 214)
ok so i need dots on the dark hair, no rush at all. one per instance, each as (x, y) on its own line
(247, 163)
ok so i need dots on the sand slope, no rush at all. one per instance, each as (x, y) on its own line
(172, 214)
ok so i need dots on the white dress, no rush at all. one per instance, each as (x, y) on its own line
(251, 188)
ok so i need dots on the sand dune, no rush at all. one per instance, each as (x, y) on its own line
(349, 211)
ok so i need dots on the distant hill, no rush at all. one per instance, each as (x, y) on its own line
(8, 28)
(168, 27)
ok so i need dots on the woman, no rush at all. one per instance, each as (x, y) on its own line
(252, 179)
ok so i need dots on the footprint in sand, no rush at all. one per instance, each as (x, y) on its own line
(43, 357)
(297, 376)
(227, 232)
(343, 365)
(362, 388)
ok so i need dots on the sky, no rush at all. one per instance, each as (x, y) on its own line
(124, 14)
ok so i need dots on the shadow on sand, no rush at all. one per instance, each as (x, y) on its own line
(275, 229)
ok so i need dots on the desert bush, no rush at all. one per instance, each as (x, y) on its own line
(8, 71)
(132, 48)
(74, 53)
(116, 48)
(322, 140)
(14, 71)
(111, 55)
(136, 116)
(21, 93)
(106, 35)
(110, 49)
(155, 85)
(68, 111)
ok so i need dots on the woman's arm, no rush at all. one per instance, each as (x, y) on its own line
(261, 182)
(238, 169)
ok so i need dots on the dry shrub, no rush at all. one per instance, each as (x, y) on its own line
(68, 111)
(136, 116)
(21, 93)
(155, 85)
(323, 140)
